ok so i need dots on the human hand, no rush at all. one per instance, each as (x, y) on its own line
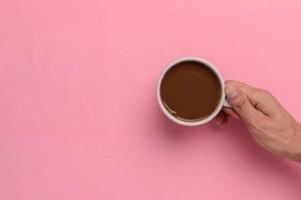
(270, 125)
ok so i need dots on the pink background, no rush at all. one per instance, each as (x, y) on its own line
(78, 114)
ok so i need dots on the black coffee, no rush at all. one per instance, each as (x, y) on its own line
(190, 91)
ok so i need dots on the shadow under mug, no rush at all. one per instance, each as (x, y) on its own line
(222, 101)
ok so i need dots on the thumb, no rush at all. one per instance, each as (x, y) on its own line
(241, 104)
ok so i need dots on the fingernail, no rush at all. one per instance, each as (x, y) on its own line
(231, 92)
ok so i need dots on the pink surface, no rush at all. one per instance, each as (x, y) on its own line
(79, 118)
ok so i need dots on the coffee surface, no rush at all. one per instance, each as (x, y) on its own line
(190, 91)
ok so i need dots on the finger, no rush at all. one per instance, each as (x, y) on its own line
(260, 99)
(226, 119)
(231, 112)
(242, 106)
(238, 83)
(221, 119)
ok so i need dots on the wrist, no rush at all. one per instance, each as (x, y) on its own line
(295, 147)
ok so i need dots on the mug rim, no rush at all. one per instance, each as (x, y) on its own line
(201, 121)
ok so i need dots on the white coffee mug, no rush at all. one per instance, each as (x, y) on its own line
(222, 101)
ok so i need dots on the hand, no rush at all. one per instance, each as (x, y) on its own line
(270, 125)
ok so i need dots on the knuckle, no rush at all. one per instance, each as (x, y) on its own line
(266, 92)
(260, 91)
(263, 95)
(241, 102)
(229, 82)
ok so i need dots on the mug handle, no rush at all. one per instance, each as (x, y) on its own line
(226, 104)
